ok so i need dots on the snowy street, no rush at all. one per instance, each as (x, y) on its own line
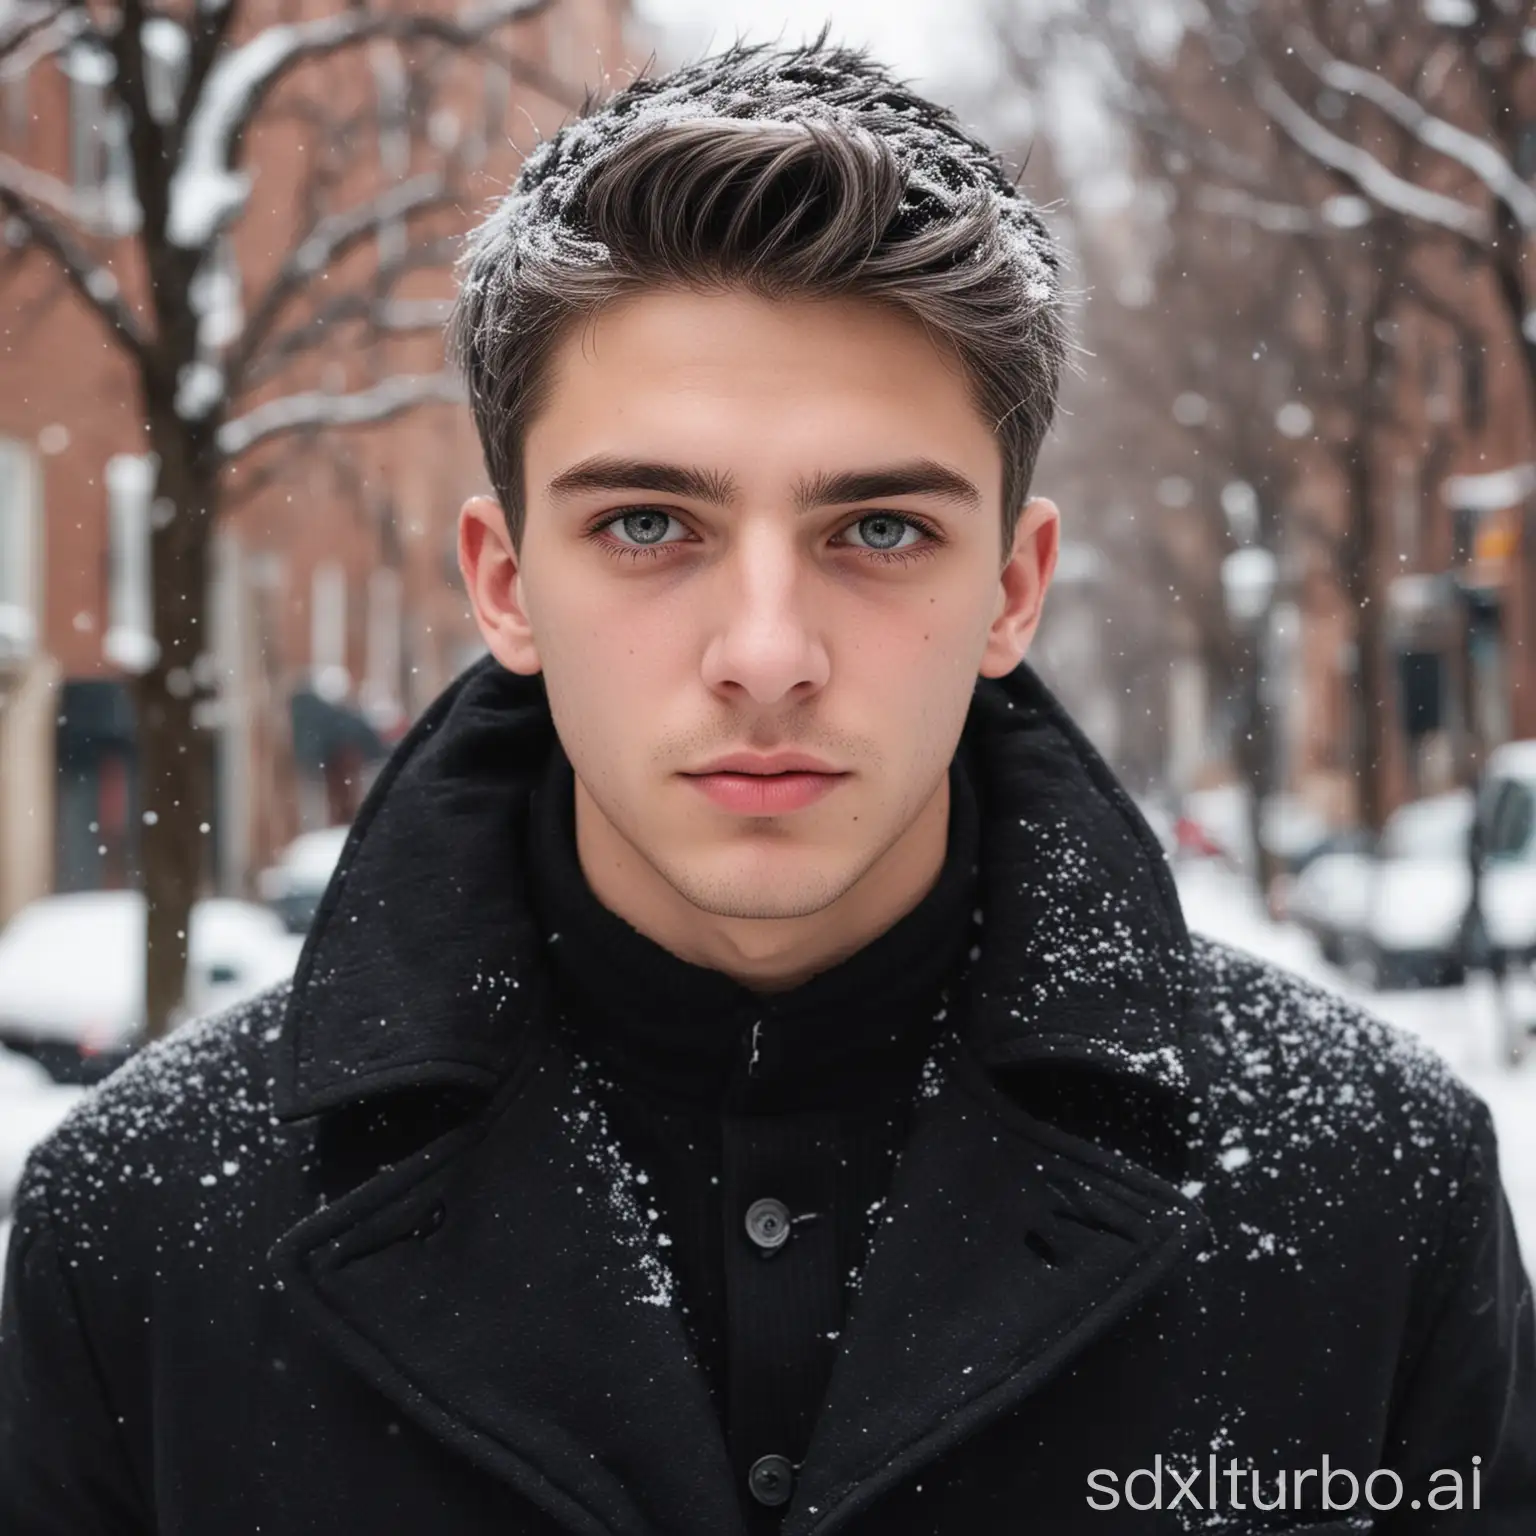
(1458, 1023)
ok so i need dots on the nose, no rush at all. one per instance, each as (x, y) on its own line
(766, 642)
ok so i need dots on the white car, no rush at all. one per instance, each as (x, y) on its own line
(1504, 927)
(1421, 889)
(1508, 850)
(72, 971)
(1396, 917)
(1330, 899)
(293, 886)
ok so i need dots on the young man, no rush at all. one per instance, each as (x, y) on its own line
(749, 1072)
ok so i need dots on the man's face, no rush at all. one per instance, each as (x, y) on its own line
(701, 574)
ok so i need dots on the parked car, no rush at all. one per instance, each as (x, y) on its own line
(1393, 914)
(293, 886)
(1501, 928)
(1420, 892)
(1355, 840)
(72, 973)
(1507, 852)
(1330, 899)
(1322, 882)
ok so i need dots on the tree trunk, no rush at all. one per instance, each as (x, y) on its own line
(174, 754)
(1367, 615)
(1253, 750)
(172, 757)
(1508, 275)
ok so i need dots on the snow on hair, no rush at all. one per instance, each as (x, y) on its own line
(794, 173)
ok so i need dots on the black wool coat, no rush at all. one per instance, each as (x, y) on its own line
(359, 1257)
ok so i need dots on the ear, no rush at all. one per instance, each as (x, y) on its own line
(494, 583)
(1022, 587)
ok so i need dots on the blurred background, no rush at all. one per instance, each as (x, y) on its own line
(1296, 605)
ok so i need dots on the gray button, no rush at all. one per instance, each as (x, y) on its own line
(768, 1224)
(772, 1480)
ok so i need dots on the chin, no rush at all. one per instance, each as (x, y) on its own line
(762, 888)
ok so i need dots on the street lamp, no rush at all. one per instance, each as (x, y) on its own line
(1248, 579)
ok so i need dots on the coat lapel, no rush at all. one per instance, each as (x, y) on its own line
(1005, 1249)
(504, 1288)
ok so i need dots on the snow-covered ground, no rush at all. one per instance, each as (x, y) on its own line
(1459, 1023)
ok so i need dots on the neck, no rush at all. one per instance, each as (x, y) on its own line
(766, 954)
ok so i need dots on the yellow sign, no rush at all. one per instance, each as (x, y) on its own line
(1497, 540)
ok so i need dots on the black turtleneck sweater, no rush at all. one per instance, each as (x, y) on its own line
(793, 1102)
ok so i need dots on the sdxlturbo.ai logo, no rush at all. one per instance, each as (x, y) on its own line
(1238, 1488)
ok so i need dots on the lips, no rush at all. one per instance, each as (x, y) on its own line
(764, 794)
(765, 764)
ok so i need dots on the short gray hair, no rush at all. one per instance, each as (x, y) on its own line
(792, 173)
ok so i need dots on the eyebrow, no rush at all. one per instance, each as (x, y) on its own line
(916, 477)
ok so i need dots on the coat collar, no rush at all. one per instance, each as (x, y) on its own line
(501, 1287)
(423, 961)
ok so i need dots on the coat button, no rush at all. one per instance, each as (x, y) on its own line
(772, 1480)
(768, 1224)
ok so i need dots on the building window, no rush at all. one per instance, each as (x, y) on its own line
(381, 685)
(1405, 506)
(98, 125)
(328, 631)
(393, 91)
(129, 640)
(20, 549)
(17, 111)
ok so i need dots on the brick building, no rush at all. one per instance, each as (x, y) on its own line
(335, 598)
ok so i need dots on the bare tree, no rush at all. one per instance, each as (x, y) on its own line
(1439, 143)
(323, 340)
(1276, 285)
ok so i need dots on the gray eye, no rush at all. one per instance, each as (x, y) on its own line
(645, 527)
(881, 531)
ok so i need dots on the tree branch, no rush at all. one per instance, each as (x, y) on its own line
(328, 239)
(1364, 170)
(31, 197)
(37, 309)
(51, 196)
(316, 408)
(1269, 215)
(35, 32)
(383, 315)
(1476, 155)
(207, 192)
